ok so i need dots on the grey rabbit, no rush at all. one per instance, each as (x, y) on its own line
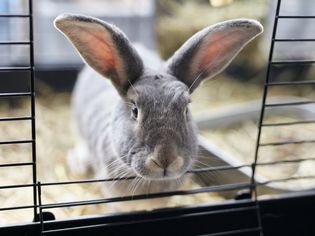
(135, 119)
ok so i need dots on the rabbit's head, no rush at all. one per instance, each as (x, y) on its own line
(152, 128)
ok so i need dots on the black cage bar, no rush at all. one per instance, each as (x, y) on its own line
(247, 216)
(268, 83)
(29, 73)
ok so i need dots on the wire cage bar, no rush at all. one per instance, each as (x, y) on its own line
(268, 83)
(253, 203)
(29, 72)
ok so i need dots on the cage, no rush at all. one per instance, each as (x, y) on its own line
(250, 212)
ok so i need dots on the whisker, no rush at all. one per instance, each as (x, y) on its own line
(135, 186)
(132, 185)
(133, 87)
(179, 181)
(197, 175)
(196, 162)
(129, 104)
(195, 80)
(149, 187)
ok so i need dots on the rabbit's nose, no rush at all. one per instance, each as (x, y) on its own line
(162, 163)
(168, 164)
(158, 163)
(165, 160)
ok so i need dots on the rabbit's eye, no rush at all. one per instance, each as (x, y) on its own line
(134, 111)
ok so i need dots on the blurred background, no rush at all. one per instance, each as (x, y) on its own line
(162, 26)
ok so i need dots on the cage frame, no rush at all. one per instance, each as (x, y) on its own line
(280, 216)
(255, 216)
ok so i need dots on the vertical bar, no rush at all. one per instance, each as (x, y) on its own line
(34, 169)
(41, 218)
(262, 113)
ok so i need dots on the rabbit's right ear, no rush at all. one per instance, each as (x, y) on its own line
(211, 50)
(104, 47)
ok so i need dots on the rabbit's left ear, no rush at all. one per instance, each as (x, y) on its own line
(104, 47)
(210, 50)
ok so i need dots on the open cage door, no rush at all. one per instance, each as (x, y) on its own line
(291, 214)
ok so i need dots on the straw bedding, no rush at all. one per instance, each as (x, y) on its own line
(56, 136)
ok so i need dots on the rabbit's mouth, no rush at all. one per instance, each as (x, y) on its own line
(154, 169)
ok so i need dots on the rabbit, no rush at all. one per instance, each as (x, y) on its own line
(135, 118)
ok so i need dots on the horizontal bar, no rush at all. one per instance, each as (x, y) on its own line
(32, 206)
(16, 142)
(16, 94)
(284, 161)
(167, 218)
(294, 40)
(86, 181)
(15, 42)
(16, 118)
(292, 62)
(293, 83)
(217, 188)
(17, 186)
(295, 17)
(227, 167)
(134, 177)
(14, 15)
(24, 68)
(17, 164)
(17, 208)
(289, 104)
(286, 143)
(288, 123)
(218, 168)
(286, 179)
(235, 232)
(225, 211)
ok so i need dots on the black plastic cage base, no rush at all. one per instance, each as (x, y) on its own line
(292, 214)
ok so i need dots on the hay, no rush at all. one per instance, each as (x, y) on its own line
(239, 140)
(56, 135)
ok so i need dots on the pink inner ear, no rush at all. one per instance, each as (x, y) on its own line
(100, 49)
(216, 48)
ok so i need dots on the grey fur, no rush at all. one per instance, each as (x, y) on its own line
(164, 133)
